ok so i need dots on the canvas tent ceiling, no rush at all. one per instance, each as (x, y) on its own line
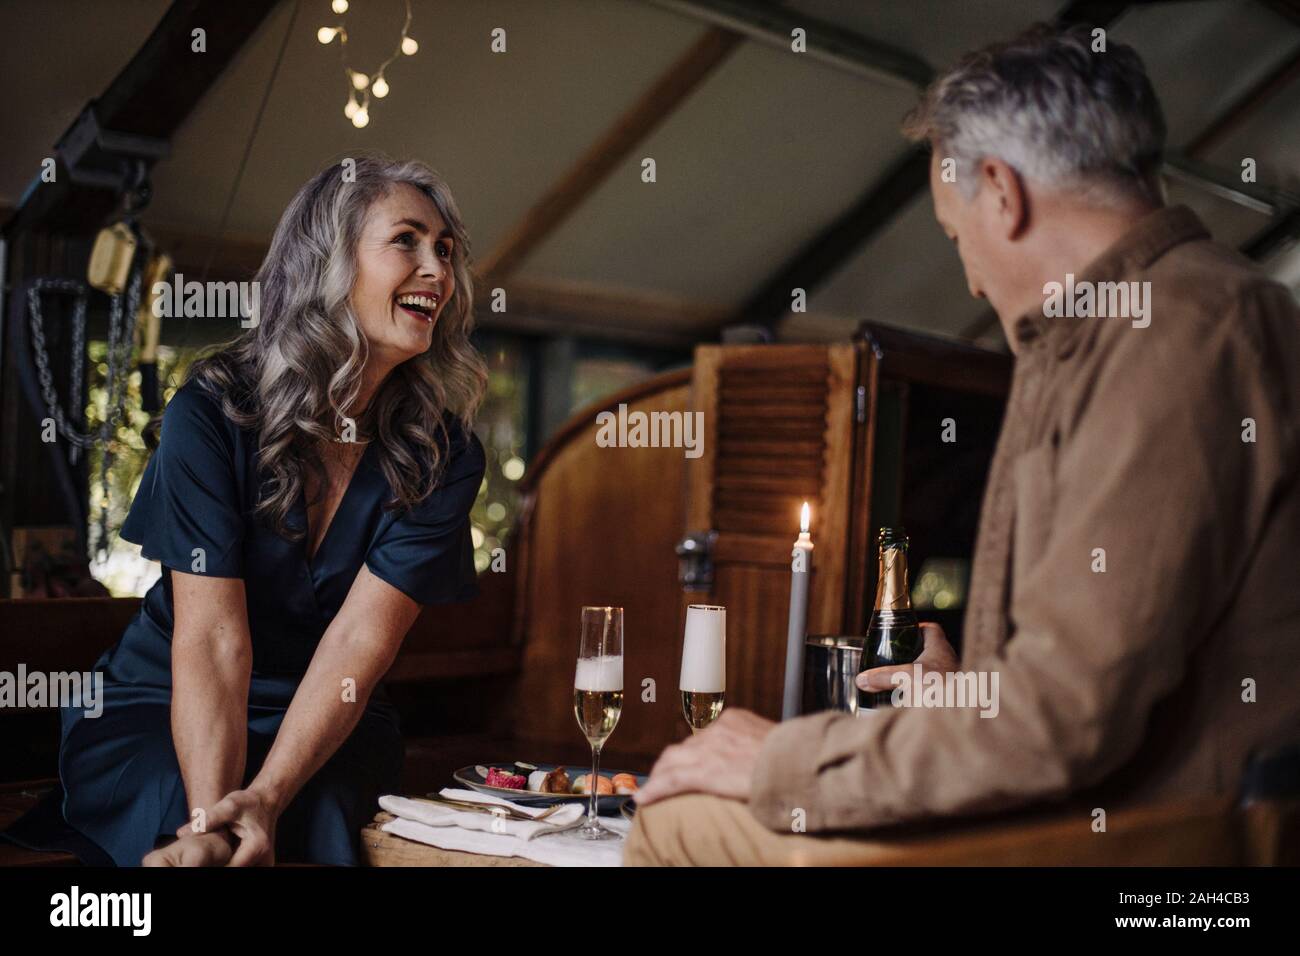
(752, 165)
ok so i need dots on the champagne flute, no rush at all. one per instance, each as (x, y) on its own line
(704, 665)
(598, 696)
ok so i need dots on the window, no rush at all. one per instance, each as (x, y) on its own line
(502, 427)
(122, 570)
(601, 369)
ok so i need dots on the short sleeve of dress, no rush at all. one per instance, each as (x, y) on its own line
(426, 552)
(189, 497)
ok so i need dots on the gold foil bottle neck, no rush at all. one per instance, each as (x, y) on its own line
(891, 578)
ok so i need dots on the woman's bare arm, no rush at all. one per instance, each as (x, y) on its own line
(353, 655)
(212, 659)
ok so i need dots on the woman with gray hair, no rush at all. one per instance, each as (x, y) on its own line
(311, 491)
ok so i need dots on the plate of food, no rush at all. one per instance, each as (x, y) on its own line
(543, 784)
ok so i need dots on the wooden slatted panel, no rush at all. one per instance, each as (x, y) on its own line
(769, 408)
(779, 431)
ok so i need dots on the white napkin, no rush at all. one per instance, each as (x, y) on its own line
(436, 815)
(551, 841)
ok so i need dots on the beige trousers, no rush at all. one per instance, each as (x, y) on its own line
(700, 830)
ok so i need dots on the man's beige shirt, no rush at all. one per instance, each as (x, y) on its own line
(1155, 677)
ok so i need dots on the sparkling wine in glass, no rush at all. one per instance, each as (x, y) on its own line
(704, 665)
(598, 696)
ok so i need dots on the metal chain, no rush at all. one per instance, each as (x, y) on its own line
(121, 340)
(75, 402)
(42, 358)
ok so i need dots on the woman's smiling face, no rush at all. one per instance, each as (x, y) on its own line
(404, 275)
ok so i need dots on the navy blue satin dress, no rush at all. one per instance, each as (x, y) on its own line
(193, 512)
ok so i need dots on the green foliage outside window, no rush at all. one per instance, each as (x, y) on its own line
(123, 571)
(502, 427)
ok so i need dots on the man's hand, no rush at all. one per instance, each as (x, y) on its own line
(937, 655)
(193, 849)
(719, 760)
(251, 817)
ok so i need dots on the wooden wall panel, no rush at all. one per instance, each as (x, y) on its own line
(757, 600)
(602, 529)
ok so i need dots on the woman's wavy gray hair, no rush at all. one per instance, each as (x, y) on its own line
(1051, 108)
(293, 375)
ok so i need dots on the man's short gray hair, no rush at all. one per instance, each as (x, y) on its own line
(1051, 108)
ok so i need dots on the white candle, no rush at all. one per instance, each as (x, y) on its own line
(800, 572)
(704, 650)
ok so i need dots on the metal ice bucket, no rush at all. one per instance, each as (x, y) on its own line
(831, 663)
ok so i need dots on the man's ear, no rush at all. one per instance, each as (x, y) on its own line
(1006, 190)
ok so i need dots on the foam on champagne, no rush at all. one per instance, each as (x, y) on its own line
(599, 673)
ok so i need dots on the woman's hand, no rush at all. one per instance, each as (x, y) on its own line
(251, 816)
(193, 849)
(937, 655)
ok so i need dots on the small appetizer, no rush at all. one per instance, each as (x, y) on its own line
(603, 784)
(625, 783)
(506, 779)
(557, 781)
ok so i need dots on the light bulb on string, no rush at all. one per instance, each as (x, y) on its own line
(362, 85)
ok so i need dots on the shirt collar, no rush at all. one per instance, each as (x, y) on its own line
(1150, 238)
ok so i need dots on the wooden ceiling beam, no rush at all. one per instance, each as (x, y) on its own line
(165, 79)
(533, 307)
(835, 244)
(580, 308)
(827, 42)
(1246, 106)
(681, 79)
(979, 327)
(877, 207)
(1283, 231)
(1286, 8)
(151, 97)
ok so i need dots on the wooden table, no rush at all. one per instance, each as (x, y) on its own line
(1204, 832)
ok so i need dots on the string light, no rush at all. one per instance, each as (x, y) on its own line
(358, 111)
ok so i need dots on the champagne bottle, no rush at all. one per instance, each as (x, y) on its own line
(894, 635)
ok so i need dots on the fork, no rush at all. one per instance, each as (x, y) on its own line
(495, 809)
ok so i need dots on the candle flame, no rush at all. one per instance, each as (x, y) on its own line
(805, 518)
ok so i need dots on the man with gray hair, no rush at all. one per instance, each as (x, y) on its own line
(1133, 583)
